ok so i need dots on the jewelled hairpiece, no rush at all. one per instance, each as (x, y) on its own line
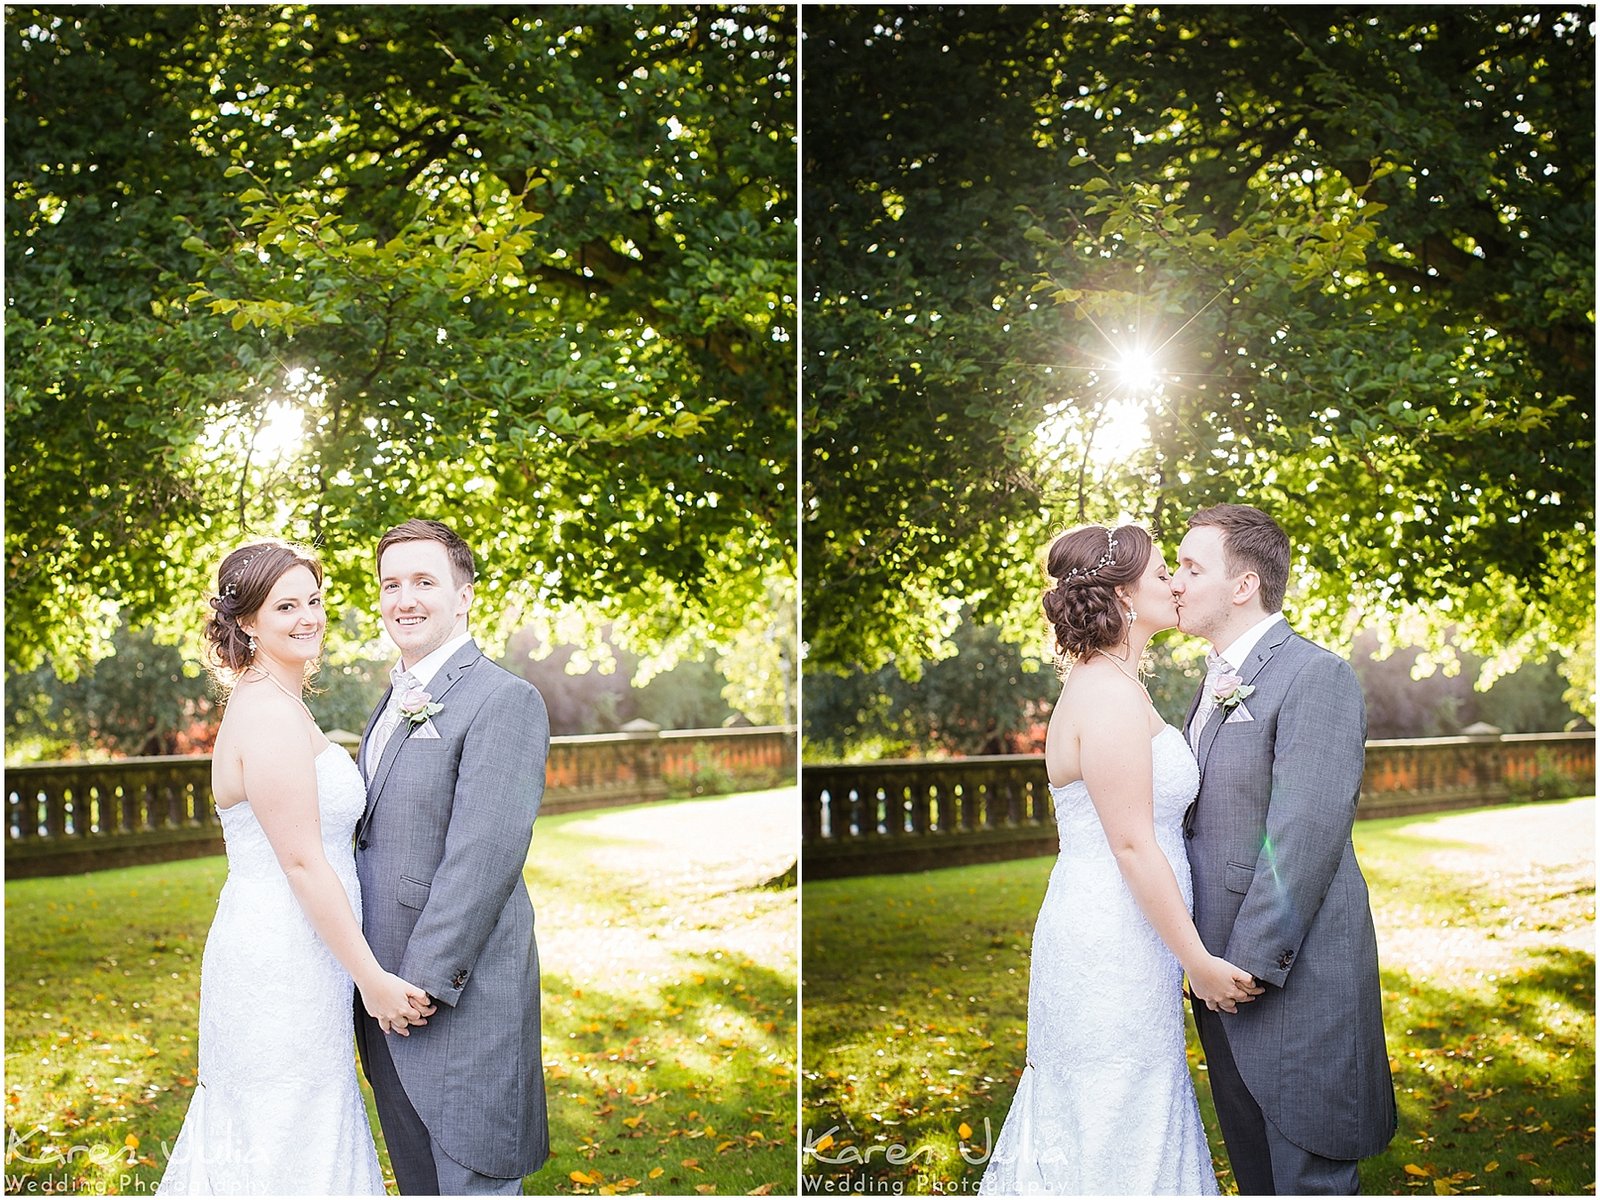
(231, 589)
(1105, 559)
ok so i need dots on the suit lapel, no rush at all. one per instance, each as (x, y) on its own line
(460, 663)
(372, 721)
(1259, 657)
(1194, 707)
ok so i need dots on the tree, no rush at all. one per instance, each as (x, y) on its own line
(315, 269)
(1079, 264)
(143, 699)
(990, 697)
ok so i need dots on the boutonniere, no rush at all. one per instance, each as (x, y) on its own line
(1230, 692)
(417, 706)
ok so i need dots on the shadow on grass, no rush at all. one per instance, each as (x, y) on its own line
(1500, 1072)
(102, 1005)
(915, 1021)
(693, 1075)
(103, 988)
(916, 991)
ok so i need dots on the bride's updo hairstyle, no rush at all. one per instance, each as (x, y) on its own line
(244, 581)
(1087, 566)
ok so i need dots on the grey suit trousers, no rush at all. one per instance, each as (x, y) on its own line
(421, 1166)
(1264, 1162)
(1301, 1075)
(440, 854)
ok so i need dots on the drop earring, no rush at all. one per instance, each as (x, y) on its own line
(1131, 616)
(252, 645)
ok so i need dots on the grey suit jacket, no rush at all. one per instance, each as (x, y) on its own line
(440, 852)
(1277, 891)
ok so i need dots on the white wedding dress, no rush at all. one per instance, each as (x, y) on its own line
(1105, 1104)
(277, 1110)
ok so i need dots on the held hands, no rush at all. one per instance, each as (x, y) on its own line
(395, 1004)
(1222, 985)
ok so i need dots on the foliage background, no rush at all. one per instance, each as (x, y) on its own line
(991, 697)
(1336, 262)
(311, 270)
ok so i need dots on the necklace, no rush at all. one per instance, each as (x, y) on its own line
(268, 675)
(1117, 662)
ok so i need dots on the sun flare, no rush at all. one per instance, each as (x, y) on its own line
(1136, 373)
(282, 429)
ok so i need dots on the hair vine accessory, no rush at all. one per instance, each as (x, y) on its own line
(1105, 559)
(231, 588)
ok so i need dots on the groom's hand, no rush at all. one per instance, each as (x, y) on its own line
(423, 1006)
(1256, 988)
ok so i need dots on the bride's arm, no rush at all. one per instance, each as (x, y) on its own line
(280, 781)
(1116, 766)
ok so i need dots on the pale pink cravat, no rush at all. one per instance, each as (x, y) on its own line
(400, 682)
(1216, 668)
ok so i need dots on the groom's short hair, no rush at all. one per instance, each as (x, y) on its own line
(1251, 541)
(462, 567)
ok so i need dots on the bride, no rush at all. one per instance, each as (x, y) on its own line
(1105, 1103)
(277, 1109)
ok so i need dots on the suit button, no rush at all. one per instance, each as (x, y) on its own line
(361, 845)
(459, 979)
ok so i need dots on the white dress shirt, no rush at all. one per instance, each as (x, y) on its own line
(1239, 649)
(423, 673)
(430, 666)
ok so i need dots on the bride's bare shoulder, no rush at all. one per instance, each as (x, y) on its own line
(260, 719)
(1092, 683)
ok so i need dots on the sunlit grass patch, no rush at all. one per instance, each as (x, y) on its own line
(916, 1004)
(668, 1003)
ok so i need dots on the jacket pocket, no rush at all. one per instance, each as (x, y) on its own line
(413, 893)
(1237, 877)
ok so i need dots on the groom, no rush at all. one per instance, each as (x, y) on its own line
(454, 761)
(1301, 1075)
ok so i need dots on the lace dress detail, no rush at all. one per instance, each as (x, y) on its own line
(1105, 1104)
(278, 1110)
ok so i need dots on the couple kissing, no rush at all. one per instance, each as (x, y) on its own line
(1221, 852)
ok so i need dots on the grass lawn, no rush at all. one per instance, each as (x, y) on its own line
(667, 949)
(916, 986)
